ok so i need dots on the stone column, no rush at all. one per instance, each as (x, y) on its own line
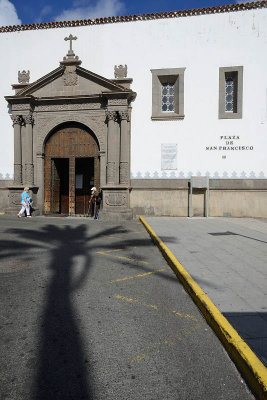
(39, 180)
(29, 177)
(124, 148)
(102, 168)
(17, 122)
(112, 147)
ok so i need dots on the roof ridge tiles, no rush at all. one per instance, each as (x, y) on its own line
(135, 17)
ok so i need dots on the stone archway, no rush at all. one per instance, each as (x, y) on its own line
(71, 169)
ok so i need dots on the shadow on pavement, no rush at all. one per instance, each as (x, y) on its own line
(62, 372)
(252, 327)
(228, 233)
(63, 367)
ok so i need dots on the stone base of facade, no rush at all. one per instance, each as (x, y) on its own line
(115, 216)
(162, 197)
(227, 198)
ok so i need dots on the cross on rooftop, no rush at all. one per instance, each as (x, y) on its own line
(70, 58)
(70, 38)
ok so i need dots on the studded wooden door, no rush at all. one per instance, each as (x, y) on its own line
(70, 144)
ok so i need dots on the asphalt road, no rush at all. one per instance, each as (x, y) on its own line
(90, 310)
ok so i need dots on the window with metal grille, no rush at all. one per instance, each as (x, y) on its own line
(167, 97)
(230, 92)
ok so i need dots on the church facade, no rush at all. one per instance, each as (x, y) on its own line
(166, 116)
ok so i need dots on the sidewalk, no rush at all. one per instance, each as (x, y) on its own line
(228, 259)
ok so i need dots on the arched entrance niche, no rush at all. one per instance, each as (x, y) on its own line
(71, 169)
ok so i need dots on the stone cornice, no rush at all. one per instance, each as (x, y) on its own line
(19, 100)
(70, 99)
(27, 102)
(128, 94)
(143, 17)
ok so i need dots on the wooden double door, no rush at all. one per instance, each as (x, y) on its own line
(71, 170)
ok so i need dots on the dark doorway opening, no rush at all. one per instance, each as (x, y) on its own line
(60, 185)
(84, 181)
(71, 169)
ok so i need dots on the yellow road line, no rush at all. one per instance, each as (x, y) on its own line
(246, 360)
(178, 314)
(185, 315)
(168, 341)
(122, 238)
(130, 300)
(138, 275)
(113, 236)
(132, 259)
(125, 248)
(104, 253)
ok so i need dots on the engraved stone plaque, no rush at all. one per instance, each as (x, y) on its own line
(168, 156)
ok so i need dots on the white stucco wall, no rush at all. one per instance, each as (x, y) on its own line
(201, 44)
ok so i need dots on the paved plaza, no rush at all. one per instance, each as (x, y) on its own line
(228, 259)
(91, 310)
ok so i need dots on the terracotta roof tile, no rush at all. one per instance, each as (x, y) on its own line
(143, 17)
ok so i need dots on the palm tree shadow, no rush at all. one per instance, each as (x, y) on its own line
(63, 368)
(62, 372)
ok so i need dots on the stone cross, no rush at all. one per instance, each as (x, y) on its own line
(70, 38)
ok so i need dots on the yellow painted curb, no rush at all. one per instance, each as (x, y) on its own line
(247, 362)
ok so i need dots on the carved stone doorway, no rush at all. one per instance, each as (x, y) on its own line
(71, 169)
(96, 112)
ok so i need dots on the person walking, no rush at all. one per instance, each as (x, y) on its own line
(25, 201)
(92, 201)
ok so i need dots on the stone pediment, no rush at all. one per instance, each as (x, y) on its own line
(71, 80)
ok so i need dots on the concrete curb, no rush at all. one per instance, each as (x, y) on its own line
(253, 370)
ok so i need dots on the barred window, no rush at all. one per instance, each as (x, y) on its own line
(167, 97)
(230, 92)
(167, 94)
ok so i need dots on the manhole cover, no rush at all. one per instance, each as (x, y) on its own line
(9, 266)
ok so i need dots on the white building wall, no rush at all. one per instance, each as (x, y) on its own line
(201, 44)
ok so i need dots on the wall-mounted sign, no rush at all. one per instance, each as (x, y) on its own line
(168, 156)
(229, 143)
(79, 181)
